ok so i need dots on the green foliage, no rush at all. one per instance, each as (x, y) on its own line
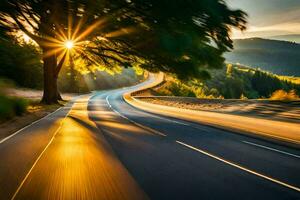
(6, 108)
(265, 84)
(179, 89)
(242, 83)
(20, 63)
(9, 107)
(183, 37)
(20, 105)
(278, 57)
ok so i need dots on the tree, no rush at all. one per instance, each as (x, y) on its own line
(20, 62)
(182, 37)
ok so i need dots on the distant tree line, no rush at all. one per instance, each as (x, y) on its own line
(232, 82)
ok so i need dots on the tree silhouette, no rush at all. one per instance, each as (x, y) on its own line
(183, 37)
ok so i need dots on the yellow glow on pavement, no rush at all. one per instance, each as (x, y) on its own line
(79, 164)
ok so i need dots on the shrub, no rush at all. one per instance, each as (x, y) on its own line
(6, 108)
(282, 95)
(20, 106)
(9, 107)
(178, 89)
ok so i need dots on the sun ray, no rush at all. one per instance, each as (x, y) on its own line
(51, 44)
(53, 52)
(77, 28)
(60, 34)
(89, 30)
(70, 43)
(70, 25)
(54, 40)
(123, 31)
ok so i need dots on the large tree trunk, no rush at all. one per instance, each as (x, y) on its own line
(51, 95)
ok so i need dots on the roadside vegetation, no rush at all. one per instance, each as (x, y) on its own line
(21, 69)
(235, 82)
(282, 95)
(10, 106)
(20, 62)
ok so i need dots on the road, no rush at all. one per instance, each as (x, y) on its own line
(100, 147)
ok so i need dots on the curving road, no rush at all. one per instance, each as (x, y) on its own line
(100, 147)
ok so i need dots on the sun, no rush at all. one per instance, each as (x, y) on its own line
(69, 44)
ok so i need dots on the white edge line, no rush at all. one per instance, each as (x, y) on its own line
(39, 157)
(250, 143)
(25, 127)
(272, 149)
(238, 131)
(137, 124)
(240, 167)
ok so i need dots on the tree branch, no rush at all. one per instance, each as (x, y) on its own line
(19, 10)
(22, 27)
(32, 15)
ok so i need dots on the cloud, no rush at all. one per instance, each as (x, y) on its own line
(267, 31)
(268, 17)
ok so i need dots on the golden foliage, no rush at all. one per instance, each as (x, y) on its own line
(282, 95)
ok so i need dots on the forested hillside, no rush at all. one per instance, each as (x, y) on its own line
(232, 82)
(278, 57)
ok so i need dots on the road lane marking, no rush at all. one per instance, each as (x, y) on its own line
(40, 156)
(272, 149)
(135, 123)
(35, 163)
(25, 127)
(170, 120)
(240, 167)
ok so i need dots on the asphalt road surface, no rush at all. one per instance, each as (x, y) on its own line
(100, 147)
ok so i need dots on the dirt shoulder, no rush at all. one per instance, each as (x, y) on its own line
(34, 95)
(34, 112)
(273, 110)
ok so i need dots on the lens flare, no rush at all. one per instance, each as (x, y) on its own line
(69, 44)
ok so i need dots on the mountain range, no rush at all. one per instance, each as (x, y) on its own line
(279, 57)
(291, 38)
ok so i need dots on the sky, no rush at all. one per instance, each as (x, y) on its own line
(269, 18)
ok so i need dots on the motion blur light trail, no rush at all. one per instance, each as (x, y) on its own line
(79, 165)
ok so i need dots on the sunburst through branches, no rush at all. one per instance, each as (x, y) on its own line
(90, 49)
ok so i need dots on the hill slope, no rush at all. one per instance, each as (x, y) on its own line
(291, 38)
(232, 82)
(279, 57)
